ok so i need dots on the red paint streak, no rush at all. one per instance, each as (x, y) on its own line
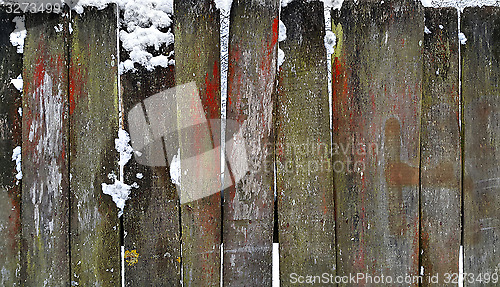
(211, 99)
(275, 32)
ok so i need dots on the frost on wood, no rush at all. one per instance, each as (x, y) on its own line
(19, 34)
(16, 156)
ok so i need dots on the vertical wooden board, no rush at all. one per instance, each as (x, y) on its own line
(93, 107)
(377, 74)
(151, 215)
(197, 56)
(441, 167)
(45, 198)
(10, 138)
(481, 124)
(249, 202)
(303, 167)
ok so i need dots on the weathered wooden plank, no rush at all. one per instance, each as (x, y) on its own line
(151, 215)
(197, 54)
(249, 203)
(304, 165)
(481, 125)
(10, 138)
(45, 198)
(93, 109)
(377, 74)
(441, 167)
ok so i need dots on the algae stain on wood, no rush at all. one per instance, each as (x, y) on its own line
(95, 240)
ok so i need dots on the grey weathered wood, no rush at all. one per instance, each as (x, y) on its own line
(377, 75)
(10, 138)
(151, 215)
(93, 107)
(249, 204)
(481, 124)
(303, 159)
(441, 167)
(45, 198)
(197, 56)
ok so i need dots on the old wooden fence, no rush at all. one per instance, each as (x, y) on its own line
(393, 176)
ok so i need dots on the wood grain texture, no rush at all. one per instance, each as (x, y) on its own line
(377, 75)
(151, 215)
(197, 56)
(45, 198)
(93, 108)
(10, 138)
(441, 167)
(304, 171)
(249, 204)
(481, 124)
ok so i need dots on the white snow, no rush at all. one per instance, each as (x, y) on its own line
(16, 156)
(175, 168)
(330, 41)
(122, 145)
(139, 175)
(223, 5)
(59, 27)
(19, 34)
(462, 38)
(119, 192)
(18, 83)
(281, 38)
(426, 30)
(145, 23)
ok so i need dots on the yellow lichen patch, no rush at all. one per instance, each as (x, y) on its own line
(131, 257)
(179, 259)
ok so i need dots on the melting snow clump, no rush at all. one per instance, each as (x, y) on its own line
(330, 41)
(18, 83)
(122, 145)
(16, 156)
(119, 191)
(175, 168)
(461, 38)
(281, 38)
(17, 37)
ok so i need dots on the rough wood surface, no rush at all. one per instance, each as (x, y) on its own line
(441, 167)
(45, 198)
(93, 109)
(10, 138)
(197, 55)
(304, 171)
(151, 215)
(249, 203)
(377, 75)
(481, 124)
